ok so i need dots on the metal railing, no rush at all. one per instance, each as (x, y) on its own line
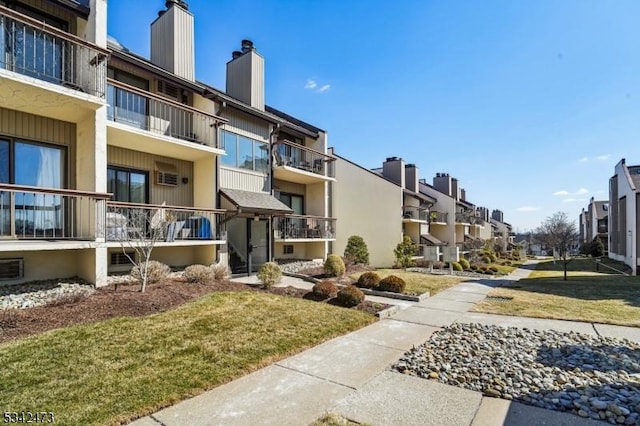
(304, 227)
(438, 217)
(146, 111)
(32, 213)
(469, 218)
(132, 221)
(38, 50)
(294, 155)
(415, 213)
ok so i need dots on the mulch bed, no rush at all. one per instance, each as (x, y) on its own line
(126, 300)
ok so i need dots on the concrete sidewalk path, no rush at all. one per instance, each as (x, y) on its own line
(350, 376)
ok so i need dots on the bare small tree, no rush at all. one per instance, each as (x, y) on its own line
(138, 230)
(558, 232)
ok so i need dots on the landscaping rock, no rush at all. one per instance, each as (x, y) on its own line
(39, 293)
(590, 376)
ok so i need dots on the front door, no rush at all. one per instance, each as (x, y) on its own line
(248, 242)
(258, 243)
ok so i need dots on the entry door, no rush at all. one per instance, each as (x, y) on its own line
(258, 243)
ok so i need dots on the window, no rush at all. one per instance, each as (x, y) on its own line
(287, 249)
(293, 201)
(125, 106)
(129, 186)
(244, 153)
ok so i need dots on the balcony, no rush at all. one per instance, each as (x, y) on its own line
(297, 163)
(55, 73)
(304, 228)
(438, 218)
(41, 218)
(127, 223)
(145, 122)
(415, 214)
(469, 218)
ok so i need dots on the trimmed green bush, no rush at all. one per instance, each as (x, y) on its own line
(198, 274)
(486, 259)
(156, 272)
(325, 289)
(483, 269)
(334, 266)
(368, 280)
(357, 250)
(493, 269)
(493, 257)
(405, 252)
(464, 263)
(350, 296)
(473, 267)
(392, 283)
(456, 266)
(269, 274)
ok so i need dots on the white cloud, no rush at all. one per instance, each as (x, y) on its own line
(602, 157)
(584, 159)
(311, 84)
(561, 193)
(581, 191)
(573, 200)
(324, 88)
(527, 209)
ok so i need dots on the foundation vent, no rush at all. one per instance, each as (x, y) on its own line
(120, 258)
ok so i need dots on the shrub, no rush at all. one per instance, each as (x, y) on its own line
(438, 264)
(334, 266)
(508, 263)
(486, 259)
(488, 272)
(482, 269)
(473, 267)
(393, 284)
(493, 269)
(350, 296)
(492, 257)
(405, 251)
(597, 248)
(325, 289)
(368, 280)
(269, 274)
(456, 266)
(220, 271)
(464, 263)
(357, 250)
(198, 274)
(156, 271)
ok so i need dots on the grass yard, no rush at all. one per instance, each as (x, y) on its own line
(335, 420)
(418, 283)
(586, 295)
(116, 370)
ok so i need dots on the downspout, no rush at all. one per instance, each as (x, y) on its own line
(217, 188)
(272, 244)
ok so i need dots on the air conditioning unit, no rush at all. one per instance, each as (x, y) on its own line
(166, 174)
(11, 269)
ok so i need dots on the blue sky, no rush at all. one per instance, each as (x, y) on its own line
(530, 104)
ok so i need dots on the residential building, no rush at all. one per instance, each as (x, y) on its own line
(594, 222)
(98, 145)
(624, 215)
(502, 231)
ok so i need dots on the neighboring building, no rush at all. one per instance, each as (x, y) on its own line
(502, 231)
(594, 222)
(624, 215)
(369, 206)
(99, 134)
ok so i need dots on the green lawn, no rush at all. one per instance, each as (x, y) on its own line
(116, 370)
(335, 420)
(418, 283)
(586, 295)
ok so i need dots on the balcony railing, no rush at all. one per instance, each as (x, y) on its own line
(438, 217)
(146, 111)
(415, 213)
(468, 218)
(38, 50)
(304, 227)
(131, 222)
(32, 213)
(294, 155)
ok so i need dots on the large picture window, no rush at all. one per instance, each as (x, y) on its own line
(244, 153)
(36, 165)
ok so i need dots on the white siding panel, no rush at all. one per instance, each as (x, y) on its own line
(245, 125)
(245, 181)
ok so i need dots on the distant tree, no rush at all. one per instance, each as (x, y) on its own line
(356, 250)
(559, 233)
(585, 249)
(597, 248)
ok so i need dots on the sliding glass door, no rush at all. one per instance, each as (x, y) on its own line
(5, 197)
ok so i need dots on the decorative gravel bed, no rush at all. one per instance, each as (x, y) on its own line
(589, 376)
(447, 272)
(38, 293)
(296, 266)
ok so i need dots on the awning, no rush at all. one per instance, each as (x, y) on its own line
(468, 237)
(431, 240)
(255, 202)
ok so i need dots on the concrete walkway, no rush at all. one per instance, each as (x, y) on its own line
(349, 376)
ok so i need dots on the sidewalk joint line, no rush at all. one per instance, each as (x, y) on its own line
(595, 329)
(377, 344)
(445, 310)
(156, 420)
(315, 377)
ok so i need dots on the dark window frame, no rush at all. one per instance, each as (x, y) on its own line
(129, 170)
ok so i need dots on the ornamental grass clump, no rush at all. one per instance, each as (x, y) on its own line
(325, 289)
(198, 274)
(465, 264)
(269, 274)
(334, 266)
(220, 271)
(368, 280)
(156, 272)
(350, 296)
(393, 284)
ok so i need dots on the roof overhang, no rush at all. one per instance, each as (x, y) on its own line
(255, 202)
